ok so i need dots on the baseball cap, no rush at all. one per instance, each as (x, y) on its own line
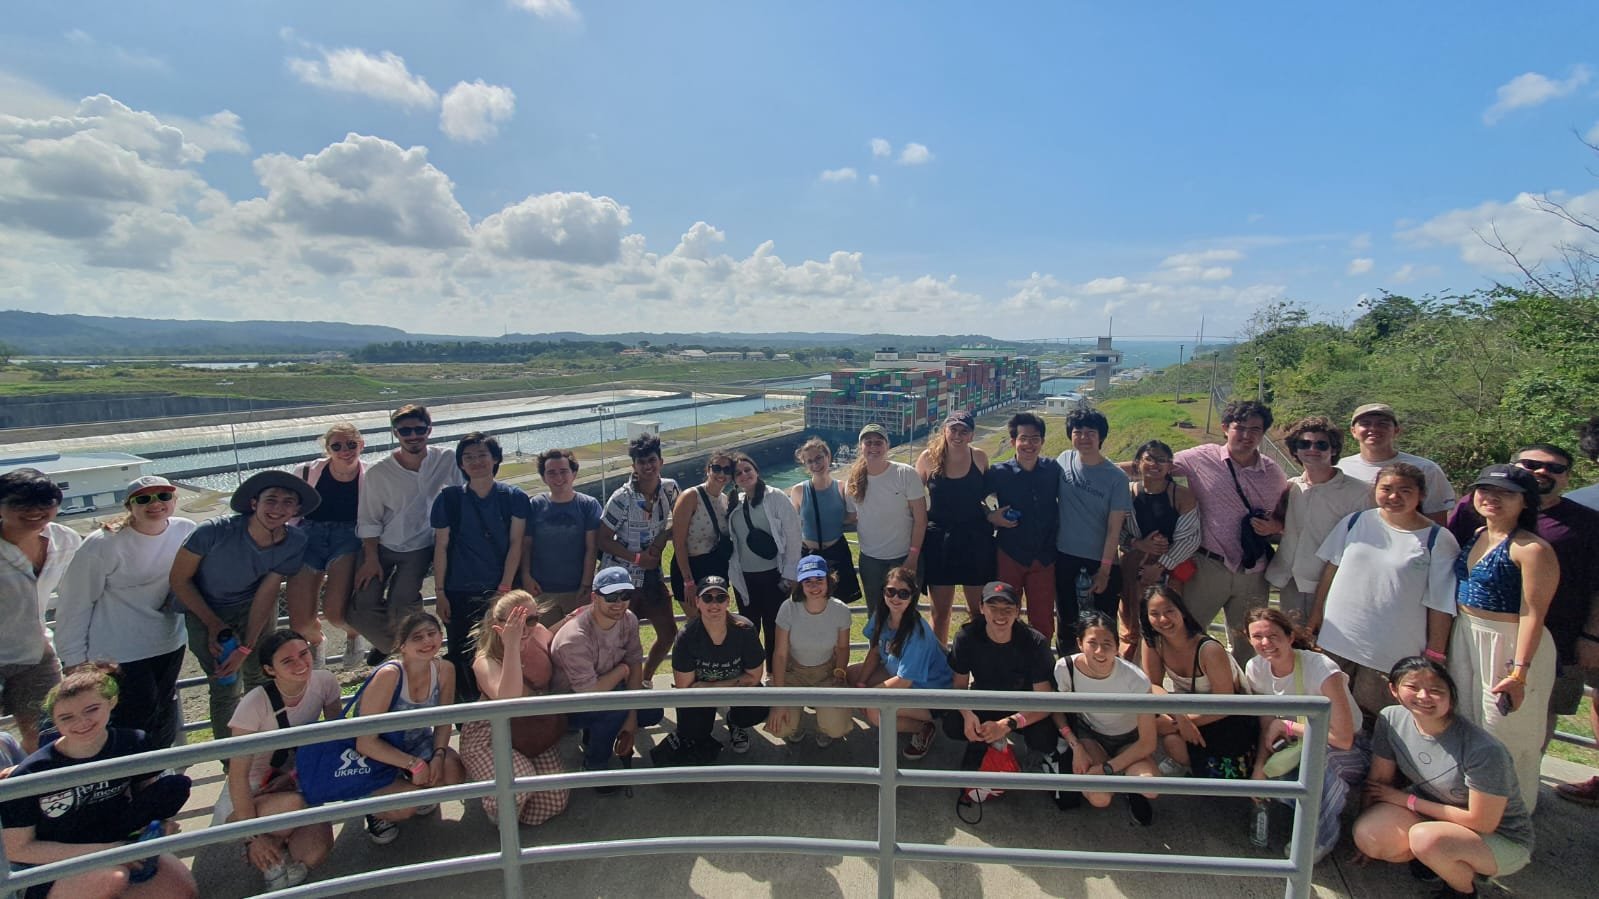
(1375, 409)
(812, 566)
(999, 591)
(713, 582)
(614, 579)
(873, 428)
(148, 482)
(963, 418)
(1507, 477)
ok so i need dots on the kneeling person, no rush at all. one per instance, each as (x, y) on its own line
(718, 649)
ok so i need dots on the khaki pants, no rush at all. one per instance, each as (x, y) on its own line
(555, 606)
(1214, 588)
(835, 722)
(1368, 685)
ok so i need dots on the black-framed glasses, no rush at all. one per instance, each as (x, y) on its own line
(898, 593)
(715, 597)
(1322, 445)
(410, 431)
(728, 470)
(341, 447)
(1541, 465)
(145, 499)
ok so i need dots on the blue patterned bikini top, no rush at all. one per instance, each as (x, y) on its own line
(1493, 584)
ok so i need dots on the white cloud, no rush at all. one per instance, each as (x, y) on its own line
(881, 148)
(915, 154)
(1535, 235)
(873, 179)
(1359, 266)
(1533, 89)
(1200, 258)
(1201, 265)
(474, 112)
(550, 9)
(91, 48)
(839, 175)
(699, 241)
(353, 71)
(1360, 243)
(566, 227)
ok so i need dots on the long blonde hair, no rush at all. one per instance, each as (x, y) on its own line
(938, 452)
(856, 482)
(489, 644)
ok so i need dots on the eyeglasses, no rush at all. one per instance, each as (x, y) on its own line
(145, 499)
(728, 470)
(1321, 445)
(1158, 460)
(716, 597)
(815, 461)
(341, 447)
(413, 432)
(1540, 465)
(898, 593)
(619, 596)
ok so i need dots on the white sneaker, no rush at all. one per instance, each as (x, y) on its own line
(297, 874)
(1170, 767)
(422, 811)
(355, 650)
(276, 877)
(319, 656)
(741, 740)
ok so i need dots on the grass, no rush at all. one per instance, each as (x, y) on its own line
(1580, 723)
(1133, 420)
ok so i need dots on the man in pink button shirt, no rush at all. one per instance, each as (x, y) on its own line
(1223, 580)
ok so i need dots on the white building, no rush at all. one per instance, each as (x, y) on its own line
(89, 481)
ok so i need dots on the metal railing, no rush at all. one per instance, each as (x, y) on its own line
(888, 849)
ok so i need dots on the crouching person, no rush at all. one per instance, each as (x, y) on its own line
(596, 649)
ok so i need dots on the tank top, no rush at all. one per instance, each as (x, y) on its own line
(827, 508)
(702, 533)
(1155, 513)
(417, 738)
(339, 498)
(957, 502)
(1493, 584)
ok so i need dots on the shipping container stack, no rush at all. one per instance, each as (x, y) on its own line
(912, 401)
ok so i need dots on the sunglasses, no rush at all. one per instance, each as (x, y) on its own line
(816, 460)
(409, 431)
(716, 597)
(898, 593)
(145, 499)
(341, 447)
(1322, 445)
(1540, 465)
(728, 470)
(619, 596)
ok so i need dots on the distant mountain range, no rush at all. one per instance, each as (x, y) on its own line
(39, 333)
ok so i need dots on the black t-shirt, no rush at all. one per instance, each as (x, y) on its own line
(739, 652)
(95, 812)
(1014, 665)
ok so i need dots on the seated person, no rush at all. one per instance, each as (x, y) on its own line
(812, 651)
(996, 651)
(717, 649)
(1108, 742)
(904, 654)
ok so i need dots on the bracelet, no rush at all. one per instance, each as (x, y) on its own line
(505, 588)
(1020, 720)
(1433, 655)
(638, 558)
(246, 649)
(1066, 732)
(1517, 675)
(688, 582)
(416, 765)
(1410, 803)
(840, 673)
(914, 549)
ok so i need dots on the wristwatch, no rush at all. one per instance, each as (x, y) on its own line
(1109, 770)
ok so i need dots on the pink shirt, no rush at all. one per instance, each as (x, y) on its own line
(1220, 509)
(583, 650)
(254, 714)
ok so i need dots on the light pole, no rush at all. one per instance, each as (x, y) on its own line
(1260, 389)
(599, 412)
(1179, 373)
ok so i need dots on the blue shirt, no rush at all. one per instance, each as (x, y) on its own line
(559, 531)
(921, 661)
(1036, 495)
(232, 564)
(480, 536)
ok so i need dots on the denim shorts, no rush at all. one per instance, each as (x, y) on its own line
(328, 541)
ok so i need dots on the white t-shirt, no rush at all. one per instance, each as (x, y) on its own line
(1386, 580)
(811, 638)
(883, 518)
(114, 596)
(1440, 493)
(1317, 669)
(1313, 509)
(1124, 678)
(254, 714)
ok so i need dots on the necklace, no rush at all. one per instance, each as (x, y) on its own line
(288, 696)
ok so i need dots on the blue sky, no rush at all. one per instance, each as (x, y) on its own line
(1019, 170)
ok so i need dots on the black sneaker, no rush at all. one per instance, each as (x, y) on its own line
(375, 657)
(1143, 811)
(1420, 871)
(606, 790)
(382, 832)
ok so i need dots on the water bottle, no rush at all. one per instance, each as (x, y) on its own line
(141, 871)
(1085, 589)
(1013, 514)
(228, 643)
(1260, 825)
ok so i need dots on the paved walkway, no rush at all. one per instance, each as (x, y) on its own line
(1568, 837)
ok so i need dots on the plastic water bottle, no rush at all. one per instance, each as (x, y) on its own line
(228, 643)
(141, 871)
(1085, 589)
(1260, 825)
(1013, 514)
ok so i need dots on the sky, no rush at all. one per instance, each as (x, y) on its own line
(1022, 170)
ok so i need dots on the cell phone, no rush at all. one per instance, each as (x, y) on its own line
(1503, 703)
(1281, 743)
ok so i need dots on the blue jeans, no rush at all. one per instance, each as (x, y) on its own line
(602, 729)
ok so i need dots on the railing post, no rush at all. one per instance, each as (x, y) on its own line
(887, 797)
(1307, 811)
(505, 795)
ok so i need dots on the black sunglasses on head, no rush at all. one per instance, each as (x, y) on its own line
(145, 499)
(409, 431)
(1540, 465)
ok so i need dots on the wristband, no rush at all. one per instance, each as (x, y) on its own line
(638, 558)
(912, 550)
(1107, 562)
(1065, 732)
(1018, 720)
(688, 582)
(417, 764)
(840, 673)
(505, 588)
(1410, 803)
(246, 649)
(1517, 675)
(1433, 655)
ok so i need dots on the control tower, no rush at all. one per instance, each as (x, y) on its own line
(1104, 359)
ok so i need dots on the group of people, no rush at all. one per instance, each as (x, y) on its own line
(1437, 629)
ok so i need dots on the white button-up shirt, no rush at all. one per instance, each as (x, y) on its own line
(25, 595)
(395, 501)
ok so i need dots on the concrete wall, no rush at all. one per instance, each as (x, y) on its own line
(53, 411)
(769, 452)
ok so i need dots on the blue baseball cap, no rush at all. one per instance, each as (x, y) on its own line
(812, 566)
(612, 580)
